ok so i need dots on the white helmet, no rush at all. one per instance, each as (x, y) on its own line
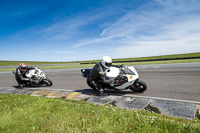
(106, 61)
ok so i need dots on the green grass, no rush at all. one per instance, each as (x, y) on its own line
(16, 63)
(151, 57)
(129, 63)
(161, 62)
(24, 113)
(56, 67)
(162, 57)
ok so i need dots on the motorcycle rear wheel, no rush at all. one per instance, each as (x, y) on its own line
(90, 85)
(139, 86)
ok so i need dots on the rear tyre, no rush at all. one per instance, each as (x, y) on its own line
(48, 82)
(90, 85)
(139, 86)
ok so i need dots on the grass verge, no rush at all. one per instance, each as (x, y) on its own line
(151, 57)
(161, 62)
(16, 63)
(129, 63)
(55, 67)
(24, 113)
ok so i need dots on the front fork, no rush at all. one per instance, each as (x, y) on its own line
(135, 84)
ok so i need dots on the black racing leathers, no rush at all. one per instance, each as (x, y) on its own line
(98, 78)
(97, 74)
(20, 76)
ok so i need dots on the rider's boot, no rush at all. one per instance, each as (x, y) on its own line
(100, 93)
(21, 86)
(30, 82)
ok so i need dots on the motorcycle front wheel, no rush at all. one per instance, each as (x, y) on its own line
(48, 82)
(139, 86)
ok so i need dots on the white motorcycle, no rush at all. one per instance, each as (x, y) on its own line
(125, 77)
(38, 77)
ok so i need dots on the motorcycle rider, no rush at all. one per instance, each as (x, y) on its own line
(97, 75)
(20, 75)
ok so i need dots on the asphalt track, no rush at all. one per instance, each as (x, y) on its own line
(180, 81)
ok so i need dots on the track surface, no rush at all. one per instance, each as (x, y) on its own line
(174, 82)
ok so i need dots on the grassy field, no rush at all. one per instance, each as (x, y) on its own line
(150, 58)
(16, 63)
(162, 57)
(129, 63)
(24, 113)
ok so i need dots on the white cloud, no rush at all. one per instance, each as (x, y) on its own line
(72, 25)
(148, 21)
(157, 47)
(92, 41)
(161, 27)
(157, 28)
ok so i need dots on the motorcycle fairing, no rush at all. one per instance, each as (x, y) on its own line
(127, 79)
(120, 80)
(112, 72)
(36, 75)
(128, 83)
(29, 73)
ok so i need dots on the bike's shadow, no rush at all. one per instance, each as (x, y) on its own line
(30, 86)
(107, 92)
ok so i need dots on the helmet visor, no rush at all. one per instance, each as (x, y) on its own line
(22, 68)
(108, 64)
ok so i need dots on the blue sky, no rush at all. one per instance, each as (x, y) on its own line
(71, 30)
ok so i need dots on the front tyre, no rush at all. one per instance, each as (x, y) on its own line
(48, 82)
(139, 86)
